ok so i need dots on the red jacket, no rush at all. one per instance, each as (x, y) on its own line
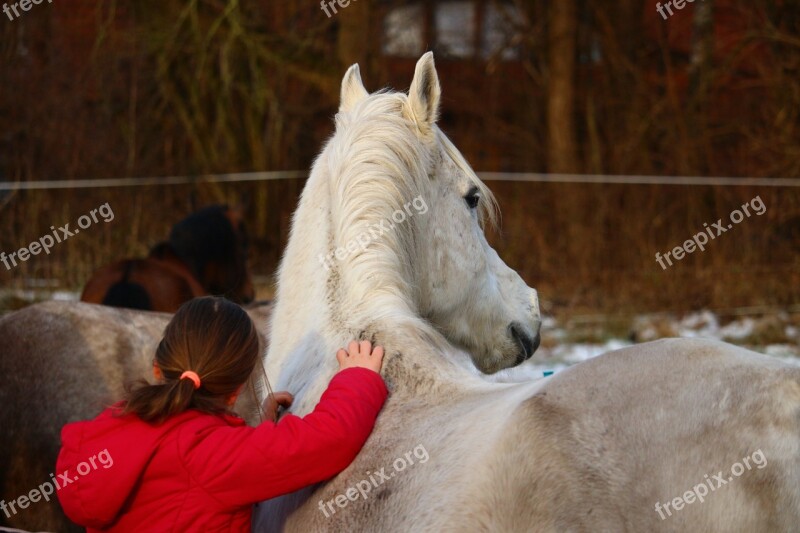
(200, 472)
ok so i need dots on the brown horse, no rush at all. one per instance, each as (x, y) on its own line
(61, 362)
(159, 282)
(206, 254)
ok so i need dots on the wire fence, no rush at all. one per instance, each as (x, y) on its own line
(708, 181)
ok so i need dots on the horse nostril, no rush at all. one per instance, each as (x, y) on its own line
(526, 345)
(536, 341)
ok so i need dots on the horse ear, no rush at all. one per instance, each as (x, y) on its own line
(425, 92)
(353, 90)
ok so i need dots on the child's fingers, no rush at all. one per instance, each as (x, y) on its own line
(352, 348)
(365, 347)
(284, 398)
(378, 352)
(341, 356)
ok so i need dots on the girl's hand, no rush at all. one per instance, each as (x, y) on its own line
(271, 404)
(360, 355)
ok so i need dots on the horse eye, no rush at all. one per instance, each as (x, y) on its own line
(473, 198)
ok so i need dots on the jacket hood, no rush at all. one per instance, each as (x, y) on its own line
(102, 460)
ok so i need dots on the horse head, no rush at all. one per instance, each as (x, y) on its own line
(390, 226)
(213, 243)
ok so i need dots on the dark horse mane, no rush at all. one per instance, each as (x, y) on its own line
(204, 237)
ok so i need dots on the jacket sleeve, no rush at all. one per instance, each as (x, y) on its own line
(243, 465)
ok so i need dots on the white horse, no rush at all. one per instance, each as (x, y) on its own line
(597, 447)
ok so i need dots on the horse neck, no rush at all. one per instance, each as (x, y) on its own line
(419, 363)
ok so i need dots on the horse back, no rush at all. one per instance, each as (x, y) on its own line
(148, 284)
(617, 435)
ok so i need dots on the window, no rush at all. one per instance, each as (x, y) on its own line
(404, 32)
(455, 29)
(500, 34)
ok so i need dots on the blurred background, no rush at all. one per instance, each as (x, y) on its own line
(536, 94)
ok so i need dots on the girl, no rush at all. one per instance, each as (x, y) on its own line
(177, 459)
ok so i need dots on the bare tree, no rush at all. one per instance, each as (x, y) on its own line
(562, 32)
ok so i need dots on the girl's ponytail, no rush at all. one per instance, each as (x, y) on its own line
(209, 349)
(155, 403)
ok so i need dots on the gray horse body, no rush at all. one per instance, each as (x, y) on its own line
(649, 423)
(61, 362)
(593, 448)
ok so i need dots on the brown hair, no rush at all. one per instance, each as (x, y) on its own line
(210, 336)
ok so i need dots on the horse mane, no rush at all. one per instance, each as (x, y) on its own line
(377, 164)
(203, 237)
